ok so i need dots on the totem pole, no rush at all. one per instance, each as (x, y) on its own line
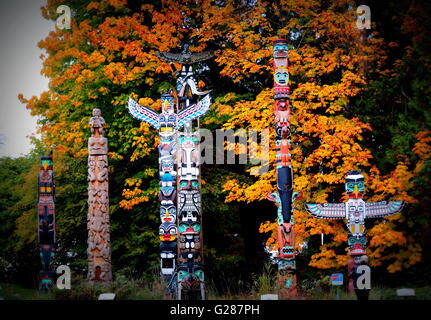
(285, 196)
(46, 223)
(188, 274)
(99, 249)
(190, 245)
(355, 210)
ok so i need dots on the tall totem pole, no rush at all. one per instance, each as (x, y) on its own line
(190, 245)
(46, 222)
(284, 198)
(99, 248)
(355, 210)
(179, 155)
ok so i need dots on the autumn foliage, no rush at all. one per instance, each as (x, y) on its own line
(109, 55)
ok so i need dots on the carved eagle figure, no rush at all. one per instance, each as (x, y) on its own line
(185, 57)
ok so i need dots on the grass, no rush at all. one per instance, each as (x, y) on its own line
(152, 289)
(10, 291)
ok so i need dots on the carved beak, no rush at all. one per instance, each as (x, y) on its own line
(356, 191)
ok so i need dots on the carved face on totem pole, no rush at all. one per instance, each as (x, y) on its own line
(46, 162)
(168, 117)
(167, 164)
(189, 228)
(168, 231)
(167, 188)
(355, 185)
(167, 145)
(47, 255)
(96, 112)
(168, 102)
(190, 276)
(355, 213)
(280, 48)
(46, 224)
(188, 140)
(46, 280)
(168, 213)
(281, 76)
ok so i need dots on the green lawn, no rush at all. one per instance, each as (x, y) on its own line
(134, 291)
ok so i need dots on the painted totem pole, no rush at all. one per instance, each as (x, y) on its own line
(99, 249)
(190, 245)
(46, 223)
(355, 210)
(285, 196)
(185, 199)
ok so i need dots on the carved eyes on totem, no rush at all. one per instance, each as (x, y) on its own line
(199, 274)
(184, 184)
(350, 186)
(195, 228)
(167, 189)
(352, 241)
(182, 274)
(280, 50)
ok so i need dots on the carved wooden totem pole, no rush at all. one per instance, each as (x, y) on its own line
(284, 198)
(179, 170)
(355, 211)
(190, 245)
(99, 248)
(46, 223)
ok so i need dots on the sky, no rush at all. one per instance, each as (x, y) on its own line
(21, 28)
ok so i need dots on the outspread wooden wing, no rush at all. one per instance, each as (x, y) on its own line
(185, 57)
(383, 208)
(194, 111)
(143, 113)
(327, 210)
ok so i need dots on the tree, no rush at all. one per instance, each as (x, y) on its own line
(109, 55)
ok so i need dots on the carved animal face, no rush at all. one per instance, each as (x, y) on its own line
(168, 103)
(355, 185)
(167, 123)
(168, 231)
(189, 228)
(280, 49)
(190, 277)
(189, 185)
(166, 190)
(188, 141)
(168, 213)
(167, 164)
(281, 76)
(357, 245)
(47, 254)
